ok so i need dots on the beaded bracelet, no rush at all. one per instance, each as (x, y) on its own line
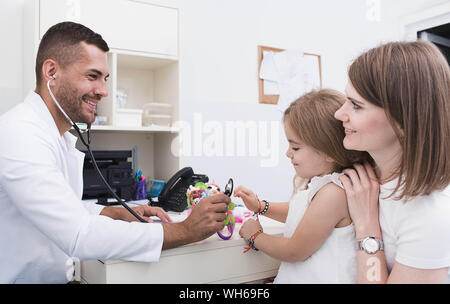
(251, 241)
(266, 207)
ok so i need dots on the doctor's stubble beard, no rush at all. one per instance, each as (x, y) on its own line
(71, 100)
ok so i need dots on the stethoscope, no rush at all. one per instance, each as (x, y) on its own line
(228, 187)
(87, 145)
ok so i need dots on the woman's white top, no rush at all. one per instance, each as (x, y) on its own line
(416, 233)
(335, 261)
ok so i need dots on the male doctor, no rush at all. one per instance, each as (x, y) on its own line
(43, 222)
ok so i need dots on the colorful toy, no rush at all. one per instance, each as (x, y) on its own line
(201, 190)
(241, 213)
(229, 222)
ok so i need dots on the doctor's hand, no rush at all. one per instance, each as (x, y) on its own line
(207, 217)
(146, 212)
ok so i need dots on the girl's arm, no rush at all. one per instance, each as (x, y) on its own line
(326, 210)
(276, 211)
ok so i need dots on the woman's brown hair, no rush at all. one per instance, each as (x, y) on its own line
(312, 119)
(410, 81)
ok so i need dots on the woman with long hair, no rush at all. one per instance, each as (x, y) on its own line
(398, 110)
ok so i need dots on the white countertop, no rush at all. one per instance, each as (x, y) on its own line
(213, 242)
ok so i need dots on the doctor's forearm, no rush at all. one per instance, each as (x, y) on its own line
(113, 212)
(176, 234)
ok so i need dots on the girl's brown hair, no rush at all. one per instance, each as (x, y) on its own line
(410, 81)
(312, 119)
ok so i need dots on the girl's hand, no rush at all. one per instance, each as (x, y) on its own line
(250, 200)
(362, 190)
(249, 228)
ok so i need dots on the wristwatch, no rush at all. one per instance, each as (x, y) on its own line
(371, 245)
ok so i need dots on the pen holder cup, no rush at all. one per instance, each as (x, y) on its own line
(140, 190)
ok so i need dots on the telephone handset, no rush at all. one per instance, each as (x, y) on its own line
(173, 195)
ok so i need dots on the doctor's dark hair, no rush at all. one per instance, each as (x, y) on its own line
(311, 117)
(411, 82)
(62, 43)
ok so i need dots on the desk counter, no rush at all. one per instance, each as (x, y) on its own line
(212, 260)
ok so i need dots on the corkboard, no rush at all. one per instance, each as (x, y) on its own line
(273, 99)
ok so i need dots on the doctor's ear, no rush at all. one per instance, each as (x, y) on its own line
(49, 69)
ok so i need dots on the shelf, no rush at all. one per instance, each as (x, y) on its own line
(149, 129)
(142, 61)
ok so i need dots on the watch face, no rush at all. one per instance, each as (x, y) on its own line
(371, 245)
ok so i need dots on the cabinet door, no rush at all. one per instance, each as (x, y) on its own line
(124, 24)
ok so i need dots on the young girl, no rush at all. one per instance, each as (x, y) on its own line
(398, 110)
(319, 243)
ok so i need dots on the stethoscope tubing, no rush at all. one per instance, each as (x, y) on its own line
(94, 162)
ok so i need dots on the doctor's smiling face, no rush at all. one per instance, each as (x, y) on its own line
(72, 60)
(82, 84)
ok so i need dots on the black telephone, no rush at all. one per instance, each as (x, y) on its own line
(173, 195)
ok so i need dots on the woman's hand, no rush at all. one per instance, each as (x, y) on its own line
(362, 190)
(249, 228)
(250, 200)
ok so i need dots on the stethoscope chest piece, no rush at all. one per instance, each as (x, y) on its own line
(229, 187)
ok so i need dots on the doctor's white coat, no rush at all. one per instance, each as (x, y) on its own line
(43, 221)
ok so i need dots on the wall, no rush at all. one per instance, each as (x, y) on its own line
(218, 71)
(11, 20)
(219, 67)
